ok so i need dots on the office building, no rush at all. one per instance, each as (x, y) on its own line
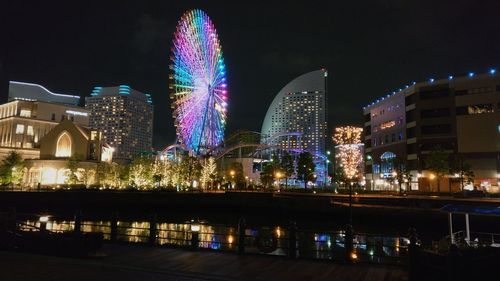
(460, 115)
(124, 116)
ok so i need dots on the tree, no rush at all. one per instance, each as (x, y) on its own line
(287, 166)
(235, 174)
(208, 172)
(141, 172)
(72, 165)
(463, 169)
(12, 169)
(188, 169)
(350, 159)
(340, 177)
(400, 175)
(305, 167)
(87, 176)
(267, 174)
(437, 162)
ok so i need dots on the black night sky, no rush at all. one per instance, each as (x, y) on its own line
(369, 47)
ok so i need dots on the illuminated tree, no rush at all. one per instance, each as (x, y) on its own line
(141, 172)
(350, 158)
(12, 169)
(72, 176)
(208, 172)
(108, 174)
(348, 140)
(347, 135)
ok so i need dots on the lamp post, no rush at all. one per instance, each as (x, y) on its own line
(350, 202)
(369, 158)
(278, 175)
(327, 162)
(195, 229)
(232, 173)
(43, 223)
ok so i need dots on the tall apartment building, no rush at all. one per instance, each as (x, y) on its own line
(300, 107)
(124, 116)
(31, 113)
(459, 114)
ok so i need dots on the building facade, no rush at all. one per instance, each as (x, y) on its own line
(296, 118)
(460, 115)
(24, 123)
(124, 116)
(66, 141)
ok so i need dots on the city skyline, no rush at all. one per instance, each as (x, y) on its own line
(130, 44)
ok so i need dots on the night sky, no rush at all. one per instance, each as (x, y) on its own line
(369, 47)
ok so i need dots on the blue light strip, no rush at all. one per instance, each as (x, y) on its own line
(491, 71)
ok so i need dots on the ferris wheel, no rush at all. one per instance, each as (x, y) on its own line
(198, 86)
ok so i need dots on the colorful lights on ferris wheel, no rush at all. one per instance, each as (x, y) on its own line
(198, 85)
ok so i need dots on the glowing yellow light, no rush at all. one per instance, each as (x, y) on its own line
(44, 219)
(63, 148)
(195, 227)
(49, 176)
(432, 176)
(347, 135)
(230, 239)
(354, 256)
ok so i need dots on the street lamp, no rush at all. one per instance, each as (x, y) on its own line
(278, 175)
(232, 173)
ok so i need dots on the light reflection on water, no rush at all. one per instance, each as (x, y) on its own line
(269, 240)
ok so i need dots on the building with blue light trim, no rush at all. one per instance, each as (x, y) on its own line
(35, 92)
(124, 116)
(459, 114)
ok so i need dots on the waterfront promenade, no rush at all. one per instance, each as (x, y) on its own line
(138, 262)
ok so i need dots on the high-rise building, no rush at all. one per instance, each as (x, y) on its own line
(35, 92)
(300, 107)
(28, 117)
(460, 115)
(124, 116)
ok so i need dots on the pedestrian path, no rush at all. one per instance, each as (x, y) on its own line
(139, 262)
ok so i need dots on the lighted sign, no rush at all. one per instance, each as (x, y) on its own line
(387, 125)
(79, 113)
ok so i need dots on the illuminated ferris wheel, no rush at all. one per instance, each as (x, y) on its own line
(198, 83)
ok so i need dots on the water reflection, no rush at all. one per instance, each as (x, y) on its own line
(267, 240)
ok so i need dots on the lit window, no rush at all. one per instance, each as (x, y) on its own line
(25, 113)
(63, 148)
(20, 129)
(30, 131)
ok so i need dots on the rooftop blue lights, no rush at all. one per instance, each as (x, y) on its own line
(431, 80)
(450, 77)
(493, 71)
(471, 74)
